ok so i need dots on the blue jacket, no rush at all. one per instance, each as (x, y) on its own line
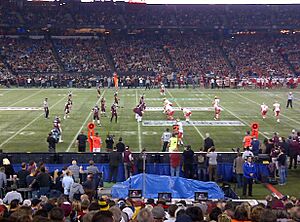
(249, 168)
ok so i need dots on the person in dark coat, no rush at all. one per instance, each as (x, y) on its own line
(188, 162)
(120, 146)
(293, 153)
(115, 158)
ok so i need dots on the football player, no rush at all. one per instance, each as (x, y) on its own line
(186, 113)
(276, 109)
(96, 117)
(264, 109)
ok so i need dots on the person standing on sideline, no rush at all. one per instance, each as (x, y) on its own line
(165, 139)
(120, 146)
(247, 140)
(81, 142)
(51, 143)
(208, 143)
(46, 108)
(188, 162)
(175, 163)
(114, 159)
(282, 166)
(212, 163)
(128, 162)
(96, 143)
(173, 144)
(249, 174)
(290, 100)
(238, 169)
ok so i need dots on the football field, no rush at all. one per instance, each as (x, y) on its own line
(24, 128)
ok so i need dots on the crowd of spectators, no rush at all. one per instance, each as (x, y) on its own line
(73, 201)
(196, 55)
(28, 55)
(119, 14)
(82, 55)
(139, 55)
(259, 56)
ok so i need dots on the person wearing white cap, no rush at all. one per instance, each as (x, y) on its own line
(129, 213)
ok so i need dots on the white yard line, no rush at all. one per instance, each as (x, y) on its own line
(139, 125)
(32, 121)
(84, 124)
(254, 102)
(198, 131)
(26, 98)
(236, 116)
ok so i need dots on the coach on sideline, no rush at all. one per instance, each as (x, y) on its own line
(81, 142)
(250, 174)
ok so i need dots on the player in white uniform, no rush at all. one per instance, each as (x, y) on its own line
(264, 109)
(180, 131)
(166, 103)
(216, 102)
(216, 105)
(162, 90)
(170, 112)
(186, 113)
(276, 109)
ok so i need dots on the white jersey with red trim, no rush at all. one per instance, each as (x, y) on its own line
(264, 108)
(169, 108)
(180, 127)
(276, 107)
(167, 102)
(162, 88)
(216, 102)
(186, 112)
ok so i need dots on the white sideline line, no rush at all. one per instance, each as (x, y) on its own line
(84, 123)
(280, 113)
(245, 122)
(32, 121)
(192, 124)
(27, 97)
(139, 125)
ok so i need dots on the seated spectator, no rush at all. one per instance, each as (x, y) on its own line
(12, 195)
(76, 191)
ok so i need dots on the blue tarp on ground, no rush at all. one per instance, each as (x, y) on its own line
(178, 186)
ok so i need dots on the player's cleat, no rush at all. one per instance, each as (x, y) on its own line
(278, 120)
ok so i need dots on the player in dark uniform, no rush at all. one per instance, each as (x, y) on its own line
(67, 109)
(114, 112)
(138, 110)
(116, 99)
(142, 103)
(95, 111)
(99, 90)
(103, 106)
(57, 128)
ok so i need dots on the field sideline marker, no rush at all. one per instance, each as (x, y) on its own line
(84, 123)
(250, 100)
(193, 124)
(246, 123)
(139, 126)
(32, 121)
